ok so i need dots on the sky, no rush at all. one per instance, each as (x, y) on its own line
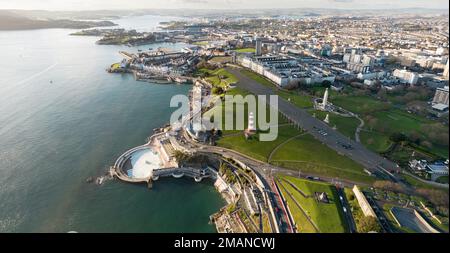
(217, 4)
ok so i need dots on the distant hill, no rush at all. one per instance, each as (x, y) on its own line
(10, 20)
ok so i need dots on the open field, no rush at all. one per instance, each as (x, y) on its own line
(359, 104)
(221, 59)
(260, 79)
(417, 183)
(255, 148)
(300, 100)
(328, 217)
(375, 141)
(395, 120)
(231, 112)
(200, 43)
(246, 50)
(381, 121)
(309, 155)
(219, 77)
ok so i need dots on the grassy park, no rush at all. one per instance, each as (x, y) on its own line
(375, 141)
(245, 50)
(219, 77)
(310, 156)
(326, 217)
(220, 59)
(293, 149)
(359, 104)
(383, 119)
(201, 43)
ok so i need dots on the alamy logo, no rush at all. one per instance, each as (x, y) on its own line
(237, 108)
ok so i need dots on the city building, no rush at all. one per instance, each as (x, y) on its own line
(441, 96)
(406, 76)
(287, 70)
(258, 47)
(445, 74)
(434, 170)
(358, 62)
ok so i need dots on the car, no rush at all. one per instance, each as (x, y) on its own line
(341, 198)
(345, 209)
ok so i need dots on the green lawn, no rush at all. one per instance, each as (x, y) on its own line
(221, 59)
(231, 111)
(260, 79)
(382, 120)
(235, 139)
(301, 221)
(346, 125)
(417, 183)
(219, 77)
(328, 217)
(375, 141)
(309, 155)
(115, 66)
(395, 120)
(442, 180)
(255, 148)
(200, 43)
(246, 50)
(359, 104)
(300, 100)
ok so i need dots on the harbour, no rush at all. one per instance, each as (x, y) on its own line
(73, 128)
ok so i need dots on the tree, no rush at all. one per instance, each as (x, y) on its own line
(398, 137)
(437, 197)
(326, 84)
(368, 224)
(388, 185)
(217, 90)
(181, 157)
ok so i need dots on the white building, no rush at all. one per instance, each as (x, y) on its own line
(441, 96)
(406, 76)
(445, 74)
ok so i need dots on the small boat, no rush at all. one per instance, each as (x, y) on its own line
(150, 48)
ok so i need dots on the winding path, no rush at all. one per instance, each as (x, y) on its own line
(358, 129)
(282, 144)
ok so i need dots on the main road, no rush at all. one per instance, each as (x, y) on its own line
(370, 160)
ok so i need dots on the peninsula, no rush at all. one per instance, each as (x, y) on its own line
(13, 21)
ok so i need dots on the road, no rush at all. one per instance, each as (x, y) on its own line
(370, 160)
(348, 214)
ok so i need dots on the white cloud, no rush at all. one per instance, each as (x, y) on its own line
(224, 4)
